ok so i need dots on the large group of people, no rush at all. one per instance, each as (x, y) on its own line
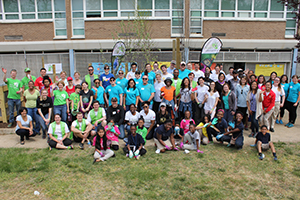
(177, 108)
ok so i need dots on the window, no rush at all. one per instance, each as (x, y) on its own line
(195, 17)
(78, 17)
(162, 8)
(93, 8)
(177, 17)
(228, 8)
(290, 29)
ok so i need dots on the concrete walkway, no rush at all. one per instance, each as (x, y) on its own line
(8, 137)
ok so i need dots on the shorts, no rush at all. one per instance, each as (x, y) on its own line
(160, 146)
(265, 146)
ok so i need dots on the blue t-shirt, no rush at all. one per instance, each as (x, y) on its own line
(225, 100)
(145, 91)
(183, 74)
(100, 92)
(294, 90)
(122, 82)
(138, 82)
(285, 87)
(222, 126)
(131, 95)
(240, 127)
(151, 77)
(165, 135)
(105, 79)
(114, 92)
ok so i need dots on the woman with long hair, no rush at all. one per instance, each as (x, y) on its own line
(157, 97)
(284, 84)
(280, 95)
(261, 82)
(228, 100)
(241, 93)
(151, 74)
(186, 97)
(211, 100)
(131, 95)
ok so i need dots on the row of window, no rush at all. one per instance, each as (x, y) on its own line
(82, 10)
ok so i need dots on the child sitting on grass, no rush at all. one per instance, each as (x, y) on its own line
(112, 133)
(205, 122)
(192, 139)
(178, 134)
(185, 123)
(102, 150)
(134, 146)
(263, 141)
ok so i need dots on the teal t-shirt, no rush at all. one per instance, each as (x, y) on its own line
(100, 92)
(122, 82)
(131, 95)
(26, 80)
(183, 74)
(13, 85)
(145, 91)
(60, 97)
(151, 77)
(138, 82)
(285, 87)
(75, 98)
(113, 92)
(294, 90)
(225, 100)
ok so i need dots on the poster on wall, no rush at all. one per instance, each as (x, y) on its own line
(267, 69)
(49, 68)
(99, 67)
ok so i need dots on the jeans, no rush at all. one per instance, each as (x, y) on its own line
(43, 123)
(239, 142)
(254, 123)
(62, 110)
(150, 134)
(127, 127)
(11, 103)
(172, 105)
(34, 116)
(185, 106)
(122, 131)
(228, 116)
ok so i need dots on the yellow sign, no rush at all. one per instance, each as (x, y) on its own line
(161, 63)
(267, 69)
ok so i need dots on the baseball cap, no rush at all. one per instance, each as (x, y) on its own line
(239, 70)
(234, 72)
(69, 78)
(163, 104)
(27, 69)
(182, 63)
(173, 62)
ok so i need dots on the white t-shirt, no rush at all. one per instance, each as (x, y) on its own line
(23, 123)
(58, 131)
(198, 74)
(211, 100)
(74, 124)
(195, 136)
(150, 116)
(130, 75)
(214, 77)
(201, 91)
(278, 93)
(132, 119)
(96, 113)
(168, 75)
(157, 87)
(185, 95)
(229, 77)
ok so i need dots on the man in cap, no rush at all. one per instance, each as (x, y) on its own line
(234, 81)
(183, 72)
(28, 77)
(172, 67)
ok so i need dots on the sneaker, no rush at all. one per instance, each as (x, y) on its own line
(81, 146)
(288, 124)
(210, 142)
(275, 158)
(262, 156)
(280, 122)
(272, 130)
(291, 125)
(252, 145)
(251, 134)
(9, 125)
(157, 151)
(246, 128)
(44, 136)
(277, 122)
(70, 147)
(95, 160)
(137, 157)
(255, 134)
(27, 138)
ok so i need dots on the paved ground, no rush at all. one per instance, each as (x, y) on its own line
(8, 138)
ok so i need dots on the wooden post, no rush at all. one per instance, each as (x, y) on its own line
(43, 62)
(54, 73)
(174, 50)
(2, 105)
(126, 68)
(178, 53)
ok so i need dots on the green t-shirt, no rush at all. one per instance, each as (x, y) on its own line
(75, 98)
(60, 97)
(142, 132)
(31, 98)
(26, 80)
(13, 86)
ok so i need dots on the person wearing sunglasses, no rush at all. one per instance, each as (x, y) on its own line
(98, 91)
(121, 81)
(89, 78)
(113, 90)
(241, 93)
(147, 91)
(105, 77)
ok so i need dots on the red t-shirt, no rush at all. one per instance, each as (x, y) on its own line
(70, 91)
(269, 101)
(39, 82)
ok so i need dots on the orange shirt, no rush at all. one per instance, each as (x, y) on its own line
(169, 93)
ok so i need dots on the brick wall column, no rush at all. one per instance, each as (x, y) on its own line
(69, 18)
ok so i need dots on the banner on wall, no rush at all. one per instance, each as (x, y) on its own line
(161, 63)
(117, 54)
(267, 69)
(99, 67)
(209, 51)
(49, 68)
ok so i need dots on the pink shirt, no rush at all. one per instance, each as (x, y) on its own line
(185, 125)
(110, 135)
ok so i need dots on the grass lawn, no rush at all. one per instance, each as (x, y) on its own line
(219, 173)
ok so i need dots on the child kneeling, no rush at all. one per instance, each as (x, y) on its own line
(192, 139)
(263, 141)
(134, 146)
(102, 149)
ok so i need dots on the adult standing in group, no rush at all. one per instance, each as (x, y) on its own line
(285, 85)
(169, 97)
(186, 98)
(105, 77)
(77, 80)
(70, 87)
(89, 78)
(24, 126)
(215, 73)
(149, 73)
(131, 95)
(207, 79)
(211, 100)
(63, 77)
(113, 91)
(121, 81)
(292, 100)
(183, 72)
(200, 92)
(28, 77)
(189, 66)
(61, 102)
(165, 73)
(98, 92)
(39, 81)
(176, 81)
(44, 109)
(172, 67)
(97, 117)
(229, 76)
(268, 103)
(86, 98)
(117, 113)
(149, 117)
(234, 81)
(138, 80)
(47, 86)
(14, 90)
(30, 97)
(157, 96)
(131, 74)
(279, 101)
(228, 100)
(197, 72)
(241, 93)
(155, 68)
(147, 91)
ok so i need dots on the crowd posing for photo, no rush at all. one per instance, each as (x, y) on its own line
(179, 109)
